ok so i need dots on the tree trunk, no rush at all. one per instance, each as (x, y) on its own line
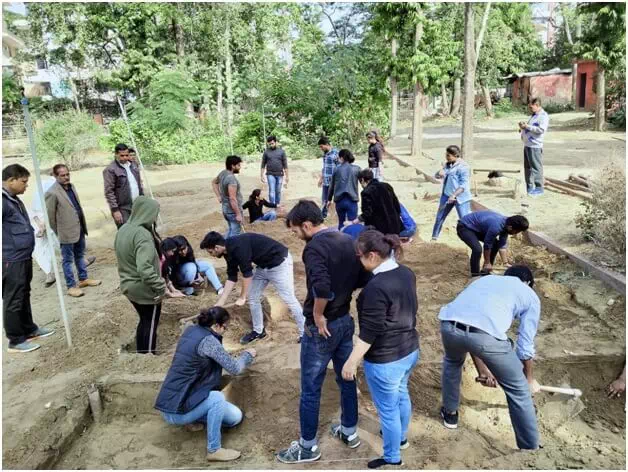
(600, 107)
(219, 97)
(417, 121)
(574, 85)
(445, 104)
(74, 93)
(478, 44)
(486, 93)
(393, 95)
(178, 38)
(228, 77)
(455, 101)
(469, 79)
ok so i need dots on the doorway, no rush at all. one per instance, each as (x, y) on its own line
(582, 91)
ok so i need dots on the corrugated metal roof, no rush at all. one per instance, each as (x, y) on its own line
(555, 71)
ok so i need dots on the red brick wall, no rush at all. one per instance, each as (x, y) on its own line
(590, 69)
(551, 88)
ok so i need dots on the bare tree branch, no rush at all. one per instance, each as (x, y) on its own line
(478, 43)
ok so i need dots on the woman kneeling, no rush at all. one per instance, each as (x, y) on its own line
(190, 393)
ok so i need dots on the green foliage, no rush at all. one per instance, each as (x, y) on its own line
(43, 109)
(67, 137)
(551, 107)
(11, 94)
(604, 35)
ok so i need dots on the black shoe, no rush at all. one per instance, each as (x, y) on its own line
(300, 339)
(404, 444)
(381, 462)
(449, 420)
(252, 336)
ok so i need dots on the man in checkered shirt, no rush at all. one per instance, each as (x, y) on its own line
(330, 162)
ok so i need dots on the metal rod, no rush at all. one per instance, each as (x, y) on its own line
(31, 141)
(137, 152)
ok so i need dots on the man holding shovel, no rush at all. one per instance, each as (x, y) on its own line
(496, 301)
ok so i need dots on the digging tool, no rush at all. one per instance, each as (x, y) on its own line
(575, 392)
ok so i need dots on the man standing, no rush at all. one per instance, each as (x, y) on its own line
(491, 228)
(496, 301)
(330, 162)
(68, 222)
(227, 189)
(532, 134)
(276, 164)
(18, 242)
(380, 205)
(333, 272)
(273, 265)
(122, 184)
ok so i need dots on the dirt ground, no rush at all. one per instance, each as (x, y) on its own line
(581, 343)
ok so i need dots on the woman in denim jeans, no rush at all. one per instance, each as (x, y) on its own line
(189, 271)
(456, 189)
(388, 340)
(190, 395)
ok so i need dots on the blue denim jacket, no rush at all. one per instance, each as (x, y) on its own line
(456, 176)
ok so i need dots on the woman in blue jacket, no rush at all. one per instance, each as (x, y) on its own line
(456, 189)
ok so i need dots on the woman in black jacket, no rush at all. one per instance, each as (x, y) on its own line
(255, 205)
(388, 340)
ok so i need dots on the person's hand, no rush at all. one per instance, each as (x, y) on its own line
(320, 181)
(239, 218)
(321, 323)
(616, 388)
(252, 352)
(240, 301)
(328, 204)
(347, 223)
(451, 200)
(198, 280)
(534, 386)
(117, 217)
(159, 298)
(487, 267)
(40, 233)
(487, 380)
(285, 183)
(349, 370)
(441, 173)
(219, 200)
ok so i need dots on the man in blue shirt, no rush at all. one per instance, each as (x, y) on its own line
(330, 162)
(496, 301)
(492, 229)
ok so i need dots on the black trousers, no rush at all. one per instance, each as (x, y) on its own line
(16, 300)
(146, 334)
(472, 240)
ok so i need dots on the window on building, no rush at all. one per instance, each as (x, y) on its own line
(42, 64)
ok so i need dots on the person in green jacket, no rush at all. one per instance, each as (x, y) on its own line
(137, 251)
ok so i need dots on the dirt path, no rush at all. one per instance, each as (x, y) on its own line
(581, 343)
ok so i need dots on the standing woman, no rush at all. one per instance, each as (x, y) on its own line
(376, 154)
(456, 189)
(388, 340)
(343, 188)
(137, 251)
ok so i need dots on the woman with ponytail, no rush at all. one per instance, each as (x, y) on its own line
(388, 341)
(190, 394)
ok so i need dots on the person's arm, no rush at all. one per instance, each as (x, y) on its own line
(485, 376)
(109, 178)
(216, 187)
(379, 152)
(367, 208)
(464, 181)
(267, 204)
(210, 347)
(51, 208)
(541, 128)
(226, 291)
(144, 258)
(246, 205)
(490, 239)
(332, 185)
(233, 201)
(503, 255)
(264, 160)
(246, 284)
(316, 269)
(528, 325)
(350, 368)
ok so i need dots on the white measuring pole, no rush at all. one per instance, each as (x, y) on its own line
(31, 141)
(137, 152)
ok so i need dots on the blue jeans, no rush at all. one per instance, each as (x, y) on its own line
(269, 216)
(215, 412)
(443, 211)
(407, 233)
(233, 227)
(346, 209)
(388, 384)
(316, 352)
(187, 272)
(74, 254)
(325, 193)
(500, 358)
(274, 188)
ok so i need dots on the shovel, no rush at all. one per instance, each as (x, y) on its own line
(574, 392)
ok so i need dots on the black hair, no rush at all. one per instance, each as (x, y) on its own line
(215, 315)
(212, 239)
(181, 242)
(55, 169)
(304, 210)
(535, 101)
(157, 240)
(121, 147)
(383, 244)
(346, 156)
(232, 161)
(271, 138)
(14, 171)
(169, 244)
(453, 150)
(254, 194)
(518, 223)
(131, 150)
(323, 140)
(366, 175)
(523, 272)
(375, 134)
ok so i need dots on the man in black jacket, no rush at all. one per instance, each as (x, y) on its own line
(333, 272)
(380, 206)
(18, 242)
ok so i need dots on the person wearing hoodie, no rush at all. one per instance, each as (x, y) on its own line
(137, 251)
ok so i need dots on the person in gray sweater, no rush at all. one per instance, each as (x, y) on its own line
(343, 188)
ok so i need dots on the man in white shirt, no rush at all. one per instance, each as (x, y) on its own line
(122, 184)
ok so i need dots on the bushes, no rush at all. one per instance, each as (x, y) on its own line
(603, 220)
(552, 107)
(67, 137)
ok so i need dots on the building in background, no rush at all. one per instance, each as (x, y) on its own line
(552, 86)
(586, 97)
(546, 19)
